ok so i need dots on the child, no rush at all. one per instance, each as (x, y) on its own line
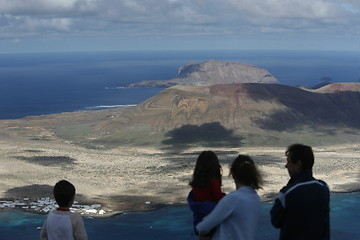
(62, 224)
(206, 187)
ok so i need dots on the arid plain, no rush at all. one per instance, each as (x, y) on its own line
(142, 178)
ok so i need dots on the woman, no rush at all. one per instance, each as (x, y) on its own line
(237, 215)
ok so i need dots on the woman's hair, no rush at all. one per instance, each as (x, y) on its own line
(207, 167)
(244, 171)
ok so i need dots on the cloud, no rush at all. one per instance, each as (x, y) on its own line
(181, 12)
(58, 24)
(32, 7)
(287, 9)
(161, 18)
(47, 8)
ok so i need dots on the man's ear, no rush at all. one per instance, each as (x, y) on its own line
(298, 164)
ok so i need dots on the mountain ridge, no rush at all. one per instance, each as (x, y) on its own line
(213, 72)
(219, 115)
(195, 104)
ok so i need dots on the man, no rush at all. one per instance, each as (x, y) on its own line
(302, 209)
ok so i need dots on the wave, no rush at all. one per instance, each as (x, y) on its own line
(109, 106)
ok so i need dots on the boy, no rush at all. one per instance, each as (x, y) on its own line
(61, 224)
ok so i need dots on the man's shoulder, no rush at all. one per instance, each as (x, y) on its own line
(322, 182)
(303, 185)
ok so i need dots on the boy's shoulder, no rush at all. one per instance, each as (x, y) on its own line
(66, 213)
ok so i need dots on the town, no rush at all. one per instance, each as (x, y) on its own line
(47, 204)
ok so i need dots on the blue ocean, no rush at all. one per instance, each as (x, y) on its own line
(45, 83)
(175, 223)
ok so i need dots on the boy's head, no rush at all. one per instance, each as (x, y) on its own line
(64, 193)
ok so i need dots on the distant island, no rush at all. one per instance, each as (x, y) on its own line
(213, 72)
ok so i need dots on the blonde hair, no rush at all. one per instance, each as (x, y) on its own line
(244, 171)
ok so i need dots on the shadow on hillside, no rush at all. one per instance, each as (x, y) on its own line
(37, 191)
(208, 135)
(31, 191)
(49, 160)
(224, 156)
(303, 108)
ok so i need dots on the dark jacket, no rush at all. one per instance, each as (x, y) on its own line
(302, 209)
(199, 209)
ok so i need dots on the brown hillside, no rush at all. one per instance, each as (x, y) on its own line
(229, 114)
(340, 87)
(243, 106)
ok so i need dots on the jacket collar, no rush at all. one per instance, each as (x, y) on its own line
(303, 176)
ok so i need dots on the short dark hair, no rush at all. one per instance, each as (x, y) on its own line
(64, 193)
(244, 171)
(207, 167)
(302, 153)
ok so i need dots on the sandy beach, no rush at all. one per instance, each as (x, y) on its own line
(138, 179)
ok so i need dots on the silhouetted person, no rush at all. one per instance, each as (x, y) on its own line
(61, 224)
(237, 215)
(206, 187)
(301, 211)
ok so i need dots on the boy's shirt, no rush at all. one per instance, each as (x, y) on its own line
(63, 225)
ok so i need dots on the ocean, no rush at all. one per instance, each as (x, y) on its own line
(175, 223)
(45, 83)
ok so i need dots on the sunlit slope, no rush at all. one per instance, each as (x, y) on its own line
(248, 110)
(243, 106)
(213, 72)
(226, 115)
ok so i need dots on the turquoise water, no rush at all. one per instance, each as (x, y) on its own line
(176, 223)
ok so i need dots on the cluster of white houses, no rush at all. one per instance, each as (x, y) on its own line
(45, 205)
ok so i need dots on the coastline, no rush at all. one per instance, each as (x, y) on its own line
(113, 214)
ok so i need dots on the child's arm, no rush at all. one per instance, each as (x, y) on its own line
(78, 227)
(43, 234)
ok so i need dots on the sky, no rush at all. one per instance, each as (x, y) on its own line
(108, 25)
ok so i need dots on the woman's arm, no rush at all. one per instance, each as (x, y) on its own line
(222, 211)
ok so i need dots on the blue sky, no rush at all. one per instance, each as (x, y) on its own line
(96, 25)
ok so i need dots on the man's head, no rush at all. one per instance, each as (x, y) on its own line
(299, 158)
(64, 193)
